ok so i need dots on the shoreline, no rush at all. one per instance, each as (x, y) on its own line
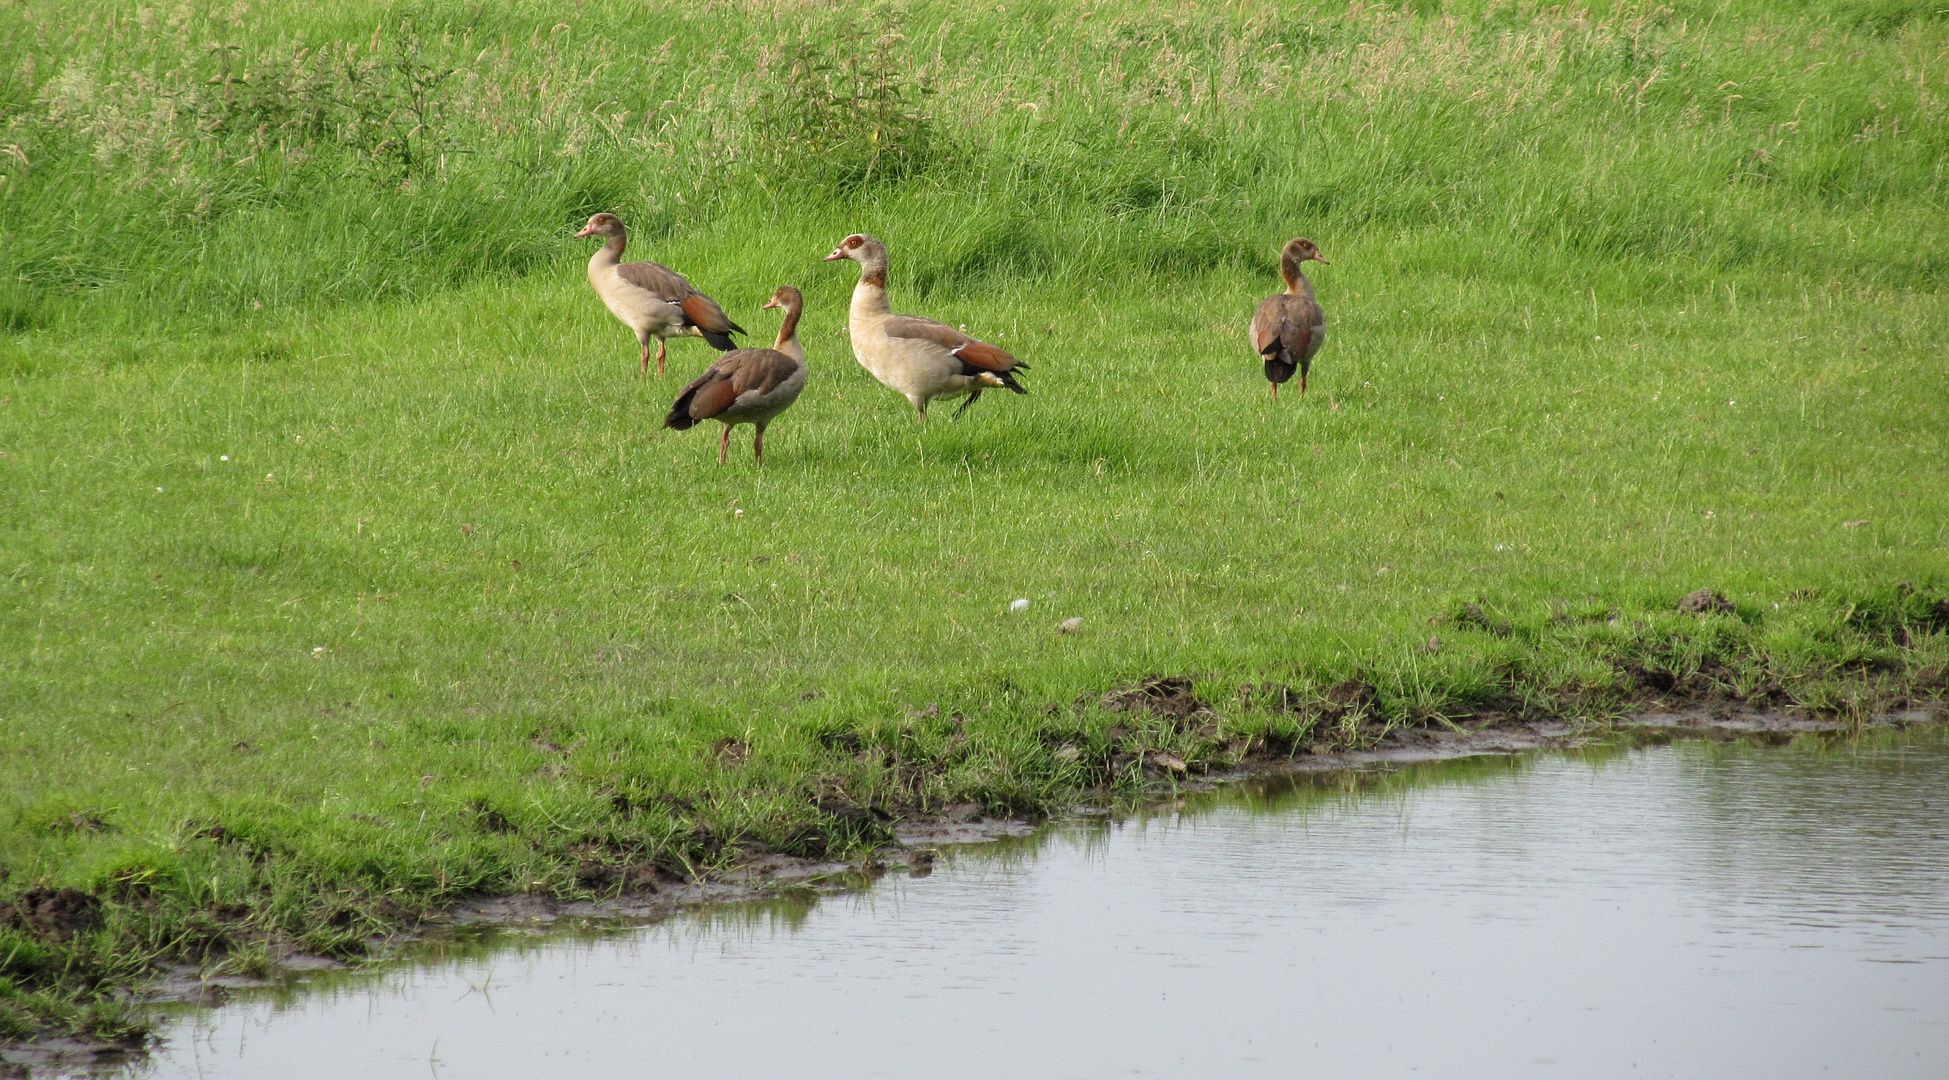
(916, 845)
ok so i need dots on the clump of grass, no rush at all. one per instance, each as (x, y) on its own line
(840, 106)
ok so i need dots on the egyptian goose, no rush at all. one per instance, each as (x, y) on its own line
(917, 358)
(652, 299)
(1289, 328)
(748, 386)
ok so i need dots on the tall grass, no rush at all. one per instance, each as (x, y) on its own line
(205, 162)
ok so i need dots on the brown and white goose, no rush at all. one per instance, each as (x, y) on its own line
(748, 386)
(650, 298)
(1290, 327)
(917, 358)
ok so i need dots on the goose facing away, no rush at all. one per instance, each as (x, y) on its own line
(651, 299)
(748, 386)
(1290, 327)
(919, 359)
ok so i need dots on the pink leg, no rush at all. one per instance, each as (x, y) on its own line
(659, 359)
(724, 445)
(646, 363)
(758, 447)
(1275, 391)
(1302, 384)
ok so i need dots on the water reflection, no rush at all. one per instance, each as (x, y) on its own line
(1698, 910)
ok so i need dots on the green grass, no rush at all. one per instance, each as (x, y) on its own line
(1623, 303)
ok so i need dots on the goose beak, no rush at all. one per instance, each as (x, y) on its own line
(772, 303)
(587, 230)
(1319, 258)
(837, 254)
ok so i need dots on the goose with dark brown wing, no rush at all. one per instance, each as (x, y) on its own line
(919, 359)
(1290, 327)
(748, 386)
(650, 298)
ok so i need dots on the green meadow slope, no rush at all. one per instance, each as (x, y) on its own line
(345, 570)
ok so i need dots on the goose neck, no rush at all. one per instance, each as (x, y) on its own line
(788, 334)
(870, 296)
(610, 253)
(1296, 283)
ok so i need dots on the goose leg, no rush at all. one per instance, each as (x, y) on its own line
(659, 359)
(758, 445)
(1302, 384)
(646, 363)
(1275, 391)
(724, 445)
(972, 398)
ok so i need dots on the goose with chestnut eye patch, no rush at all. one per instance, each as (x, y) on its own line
(919, 359)
(651, 299)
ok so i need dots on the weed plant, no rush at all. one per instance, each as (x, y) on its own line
(345, 570)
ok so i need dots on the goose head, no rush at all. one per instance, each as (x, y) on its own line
(860, 248)
(870, 254)
(788, 298)
(603, 225)
(1301, 249)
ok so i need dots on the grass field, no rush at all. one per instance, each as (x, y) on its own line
(345, 570)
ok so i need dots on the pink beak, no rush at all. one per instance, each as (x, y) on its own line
(837, 253)
(586, 230)
(1317, 257)
(772, 303)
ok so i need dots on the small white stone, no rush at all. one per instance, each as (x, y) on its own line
(1021, 604)
(158, 491)
(319, 651)
(223, 457)
(1071, 625)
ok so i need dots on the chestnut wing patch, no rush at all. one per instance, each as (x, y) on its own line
(712, 398)
(702, 312)
(985, 356)
(972, 351)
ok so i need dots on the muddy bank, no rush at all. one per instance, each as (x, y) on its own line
(919, 840)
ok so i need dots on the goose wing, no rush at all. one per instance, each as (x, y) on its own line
(1290, 324)
(735, 374)
(656, 279)
(969, 350)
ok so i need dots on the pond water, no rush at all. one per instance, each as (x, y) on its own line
(1697, 910)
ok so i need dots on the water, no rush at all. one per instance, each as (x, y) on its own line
(1688, 911)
